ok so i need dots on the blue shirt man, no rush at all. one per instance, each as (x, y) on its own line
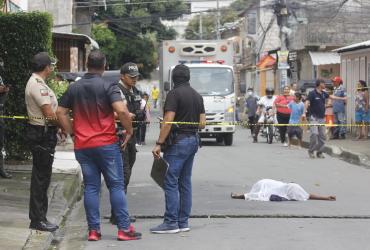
(339, 109)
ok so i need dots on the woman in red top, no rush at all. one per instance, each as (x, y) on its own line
(283, 112)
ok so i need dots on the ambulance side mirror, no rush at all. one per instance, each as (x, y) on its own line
(166, 86)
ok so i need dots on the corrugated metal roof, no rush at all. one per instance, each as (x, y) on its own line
(324, 58)
(356, 46)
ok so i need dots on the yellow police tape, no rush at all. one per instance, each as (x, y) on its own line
(19, 117)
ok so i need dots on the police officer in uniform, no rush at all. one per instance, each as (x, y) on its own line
(4, 89)
(132, 98)
(41, 105)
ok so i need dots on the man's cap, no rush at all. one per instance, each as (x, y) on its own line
(337, 79)
(43, 59)
(131, 69)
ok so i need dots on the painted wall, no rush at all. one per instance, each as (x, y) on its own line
(61, 10)
(355, 66)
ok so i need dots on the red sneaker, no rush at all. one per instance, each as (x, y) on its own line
(130, 235)
(94, 235)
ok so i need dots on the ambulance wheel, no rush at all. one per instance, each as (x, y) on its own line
(228, 139)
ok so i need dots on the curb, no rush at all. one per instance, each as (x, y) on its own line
(61, 200)
(343, 154)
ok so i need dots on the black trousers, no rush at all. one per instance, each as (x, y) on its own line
(252, 121)
(283, 119)
(140, 133)
(42, 144)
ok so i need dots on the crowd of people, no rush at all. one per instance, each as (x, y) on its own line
(323, 109)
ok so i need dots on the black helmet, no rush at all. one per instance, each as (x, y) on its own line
(270, 91)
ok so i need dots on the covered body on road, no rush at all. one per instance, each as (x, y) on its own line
(264, 189)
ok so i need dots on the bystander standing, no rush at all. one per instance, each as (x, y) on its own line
(316, 103)
(339, 109)
(155, 95)
(93, 102)
(183, 104)
(283, 113)
(362, 115)
(329, 114)
(293, 89)
(251, 106)
(297, 111)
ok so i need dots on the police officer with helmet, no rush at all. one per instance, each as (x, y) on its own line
(132, 98)
(41, 104)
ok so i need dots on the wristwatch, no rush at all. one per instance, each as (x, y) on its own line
(158, 143)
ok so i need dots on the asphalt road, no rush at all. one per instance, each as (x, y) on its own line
(222, 223)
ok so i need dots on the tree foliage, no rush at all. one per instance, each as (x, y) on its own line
(240, 5)
(106, 39)
(209, 20)
(209, 24)
(137, 28)
(22, 35)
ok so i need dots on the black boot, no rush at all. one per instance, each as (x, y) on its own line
(4, 174)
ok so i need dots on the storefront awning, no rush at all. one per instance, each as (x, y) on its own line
(324, 58)
(266, 62)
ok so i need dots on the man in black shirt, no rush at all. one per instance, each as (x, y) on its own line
(183, 104)
(316, 103)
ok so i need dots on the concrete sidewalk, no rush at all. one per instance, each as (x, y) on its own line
(65, 189)
(350, 150)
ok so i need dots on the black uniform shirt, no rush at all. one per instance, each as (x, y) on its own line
(187, 104)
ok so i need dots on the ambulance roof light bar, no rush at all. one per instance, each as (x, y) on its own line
(201, 61)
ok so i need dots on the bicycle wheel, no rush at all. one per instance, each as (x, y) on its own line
(270, 134)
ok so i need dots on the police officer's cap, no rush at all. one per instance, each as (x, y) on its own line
(131, 69)
(42, 59)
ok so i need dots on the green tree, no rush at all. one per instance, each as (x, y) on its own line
(240, 5)
(209, 24)
(138, 29)
(107, 41)
(228, 15)
(22, 35)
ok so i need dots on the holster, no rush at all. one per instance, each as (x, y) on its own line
(170, 140)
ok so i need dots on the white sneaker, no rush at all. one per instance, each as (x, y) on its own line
(185, 229)
(285, 144)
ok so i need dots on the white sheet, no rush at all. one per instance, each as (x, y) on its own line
(263, 189)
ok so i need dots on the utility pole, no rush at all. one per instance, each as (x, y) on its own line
(281, 12)
(218, 21)
(200, 26)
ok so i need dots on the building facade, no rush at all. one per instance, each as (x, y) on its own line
(309, 30)
(355, 66)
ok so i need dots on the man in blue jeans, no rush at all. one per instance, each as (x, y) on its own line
(183, 104)
(94, 103)
(339, 109)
